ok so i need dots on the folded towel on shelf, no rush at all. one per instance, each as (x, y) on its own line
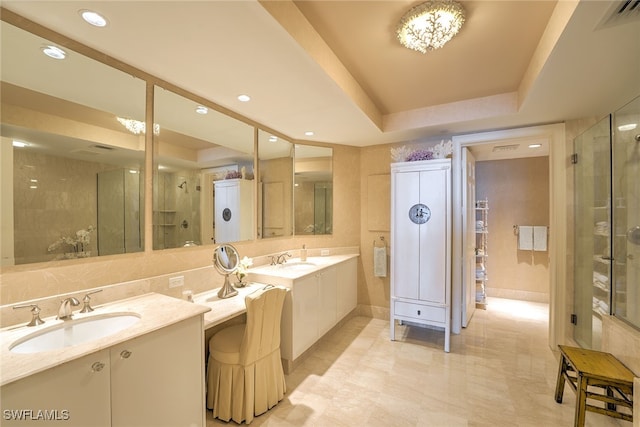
(380, 262)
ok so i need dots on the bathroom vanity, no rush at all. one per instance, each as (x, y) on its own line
(151, 373)
(323, 290)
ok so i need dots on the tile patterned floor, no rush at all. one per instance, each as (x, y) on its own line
(500, 372)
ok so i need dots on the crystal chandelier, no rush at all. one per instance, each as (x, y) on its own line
(137, 127)
(430, 25)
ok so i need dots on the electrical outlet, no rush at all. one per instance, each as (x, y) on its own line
(324, 252)
(176, 282)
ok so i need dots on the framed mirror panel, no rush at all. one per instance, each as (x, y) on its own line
(204, 174)
(313, 190)
(275, 189)
(72, 174)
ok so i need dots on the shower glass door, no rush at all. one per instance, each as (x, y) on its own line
(626, 212)
(592, 219)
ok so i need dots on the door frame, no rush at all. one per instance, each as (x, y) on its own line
(558, 208)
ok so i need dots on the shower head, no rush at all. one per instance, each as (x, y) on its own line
(183, 184)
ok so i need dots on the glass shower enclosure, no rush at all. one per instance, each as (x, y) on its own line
(607, 224)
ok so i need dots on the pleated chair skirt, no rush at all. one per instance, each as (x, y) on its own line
(240, 392)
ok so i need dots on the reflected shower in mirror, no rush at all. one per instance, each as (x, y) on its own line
(199, 155)
(275, 198)
(313, 192)
(71, 172)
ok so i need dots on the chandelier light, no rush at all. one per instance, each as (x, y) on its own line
(430, 25)
(137, 127)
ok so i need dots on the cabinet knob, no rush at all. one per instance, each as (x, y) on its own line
(418, 312)
(97, 367)
(124, 354)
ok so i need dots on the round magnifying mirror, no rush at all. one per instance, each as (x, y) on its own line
(226, 261)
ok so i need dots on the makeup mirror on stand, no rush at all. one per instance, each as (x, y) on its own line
(226, 261)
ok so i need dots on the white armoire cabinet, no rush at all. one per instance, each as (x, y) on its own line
(421, 244)
(234, 210)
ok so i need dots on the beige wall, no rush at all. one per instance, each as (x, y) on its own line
(518, 194)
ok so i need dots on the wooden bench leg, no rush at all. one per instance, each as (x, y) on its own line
(560, 381)
(581, 401)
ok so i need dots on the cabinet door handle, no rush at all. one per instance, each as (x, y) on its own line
(97, 367)
(124, 354)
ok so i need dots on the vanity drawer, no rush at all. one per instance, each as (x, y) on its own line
(419, 311)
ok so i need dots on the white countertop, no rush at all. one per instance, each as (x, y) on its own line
(155, 310)
(227, 308)
(295, 268)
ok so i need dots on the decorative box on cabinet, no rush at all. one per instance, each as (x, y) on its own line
(234, 210)
(421, 244)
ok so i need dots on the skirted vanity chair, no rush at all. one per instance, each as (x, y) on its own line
(244, 371)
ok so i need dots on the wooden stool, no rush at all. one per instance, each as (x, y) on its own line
(597, 369)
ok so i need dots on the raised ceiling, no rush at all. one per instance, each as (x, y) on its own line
(334, 67)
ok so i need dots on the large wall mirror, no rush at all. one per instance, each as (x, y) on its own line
(72, 177)
(313, 190)
(275, 188)
(203, 191)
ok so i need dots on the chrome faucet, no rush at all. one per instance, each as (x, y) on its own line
(66, 312)
(282, 258)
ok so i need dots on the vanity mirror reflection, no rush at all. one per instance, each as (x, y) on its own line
(275, 191)
(72, 177)
(313, 190)
(203, 189)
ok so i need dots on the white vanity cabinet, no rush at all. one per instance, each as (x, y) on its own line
(156, 379)
(315, 304)
(233, 210)
(74, 394)
(421, 244)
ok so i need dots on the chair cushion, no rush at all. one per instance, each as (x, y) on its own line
(224, 346)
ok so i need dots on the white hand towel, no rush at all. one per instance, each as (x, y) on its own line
(380, 262)
(525, 237)
(540, 238)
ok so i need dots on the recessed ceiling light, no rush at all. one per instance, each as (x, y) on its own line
(244, 98)
(93, 18)
(630, 126)
(535, 145)
(54, 52)
(20, 144)
(200, 109)
(308, 133)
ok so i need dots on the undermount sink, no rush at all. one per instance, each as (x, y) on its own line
(74, 332)
(298, 265)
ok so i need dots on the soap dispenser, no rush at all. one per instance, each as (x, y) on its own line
(303, 253)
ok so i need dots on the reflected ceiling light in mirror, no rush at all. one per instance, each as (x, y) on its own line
(273, 138)
(93, 18)
(244, 98)
(137, 127)
(20, 144)
(201, 109)
(630, 126)
(54, 52)
(535, 145)
(430, 25)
